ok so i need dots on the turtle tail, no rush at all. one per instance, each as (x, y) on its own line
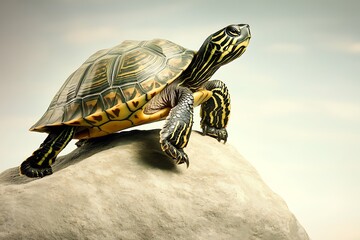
(39, 163)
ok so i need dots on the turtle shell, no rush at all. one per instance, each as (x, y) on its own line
(108, 92)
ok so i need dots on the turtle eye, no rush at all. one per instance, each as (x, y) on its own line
(233, 31)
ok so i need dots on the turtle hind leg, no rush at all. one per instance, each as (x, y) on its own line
(215, 111)
(177, 129)
(39, 163)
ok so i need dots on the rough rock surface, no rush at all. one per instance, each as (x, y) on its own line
(123, 187)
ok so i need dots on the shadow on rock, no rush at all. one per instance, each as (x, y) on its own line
(149, 153)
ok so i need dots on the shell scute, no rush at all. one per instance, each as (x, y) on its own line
(111, 97)
(131, 91)
(166, 73)
(70, 88)
(73, 110)
(98, 78)
(119, 112)
(92, 104)
(137, 65)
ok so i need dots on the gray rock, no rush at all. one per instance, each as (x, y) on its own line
(123, 187)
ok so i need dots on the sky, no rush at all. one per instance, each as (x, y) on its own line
(295, 91)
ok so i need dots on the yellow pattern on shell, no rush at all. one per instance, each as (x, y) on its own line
(107, 93)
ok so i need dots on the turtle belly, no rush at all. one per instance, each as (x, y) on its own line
(115, 124)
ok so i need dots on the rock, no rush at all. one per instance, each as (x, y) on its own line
(123, 187)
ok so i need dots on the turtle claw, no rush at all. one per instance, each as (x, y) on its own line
(218, 133)
(178, 155)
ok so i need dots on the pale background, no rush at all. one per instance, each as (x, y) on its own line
(295, 92)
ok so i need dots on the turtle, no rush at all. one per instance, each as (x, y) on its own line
(138, 82)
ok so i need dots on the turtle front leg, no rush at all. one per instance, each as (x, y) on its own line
(216, 110)
(177, 129)
(175, 134)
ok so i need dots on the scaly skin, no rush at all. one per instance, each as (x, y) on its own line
(177, 128)
(39, 163)
(215, 112)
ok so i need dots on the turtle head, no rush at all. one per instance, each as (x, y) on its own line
(218, 49)
(227, 44)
